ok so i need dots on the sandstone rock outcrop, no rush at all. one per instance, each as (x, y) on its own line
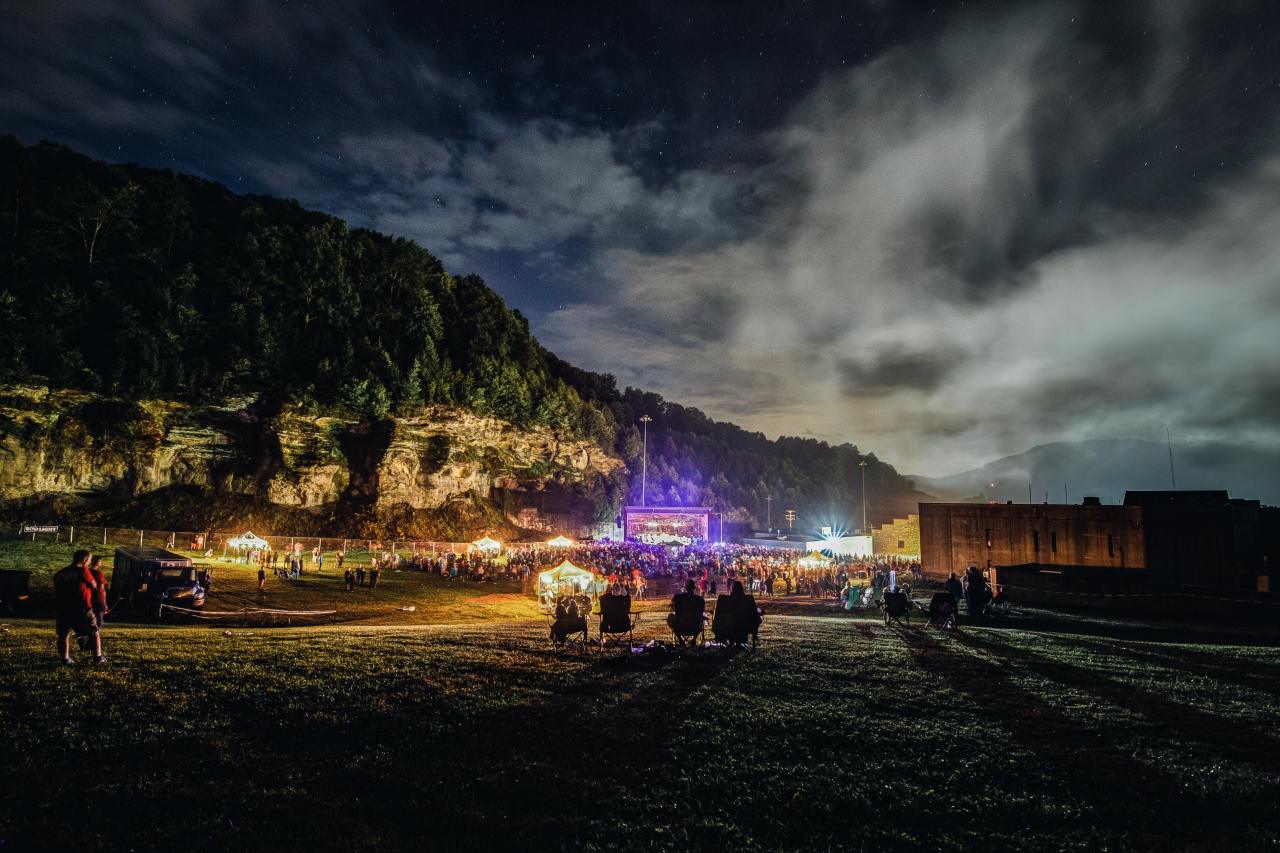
(74, 443)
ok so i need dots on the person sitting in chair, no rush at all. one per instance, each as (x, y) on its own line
(896, 605)
(615, 610)
(570, 618)
(688, 611)
(737, 617)
(852, 595)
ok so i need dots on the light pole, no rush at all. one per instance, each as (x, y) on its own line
(863, 466)
(644, 460)
(768, 512)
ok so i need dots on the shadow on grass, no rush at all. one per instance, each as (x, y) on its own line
(1235, 740)
(1120, 627)
(1079, 758)
(1255, 674)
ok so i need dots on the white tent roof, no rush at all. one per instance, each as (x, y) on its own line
(248, 539)
(566, 571)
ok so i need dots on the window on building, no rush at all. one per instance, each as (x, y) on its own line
(1111, 545)
(1035, 540)
(988, 537)
(902, 546)
(1053, 541)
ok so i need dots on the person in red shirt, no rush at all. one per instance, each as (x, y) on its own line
(73, 592)
(99, 591)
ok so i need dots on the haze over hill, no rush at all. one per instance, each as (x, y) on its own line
(1106, 468)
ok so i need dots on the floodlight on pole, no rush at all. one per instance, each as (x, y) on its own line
(863, 466)
(644, 460)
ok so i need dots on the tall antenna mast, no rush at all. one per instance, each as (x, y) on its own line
(1172, 477)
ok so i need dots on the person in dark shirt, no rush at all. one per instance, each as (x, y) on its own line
(953, 586)
(686, 608)
(262, 578)
(73, 589)
(350, 578)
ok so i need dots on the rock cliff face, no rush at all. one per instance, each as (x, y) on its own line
(57, 442)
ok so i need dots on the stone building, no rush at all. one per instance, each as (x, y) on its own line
(899, 538)
(956, 536)
(1156, 546)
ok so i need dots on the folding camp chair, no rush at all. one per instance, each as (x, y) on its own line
(568, 624)
(689, 628)
(733, 627)
(617, 620)
(942, 610)
(897, 607)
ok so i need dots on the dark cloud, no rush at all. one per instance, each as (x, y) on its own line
(896, 370)
(943, 232)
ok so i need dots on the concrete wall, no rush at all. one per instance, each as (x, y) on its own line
(900, 538)
(956, 536)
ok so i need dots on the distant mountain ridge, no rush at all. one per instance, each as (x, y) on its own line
(1107, 468)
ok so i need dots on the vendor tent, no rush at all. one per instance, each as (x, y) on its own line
(484, 543)
(248, 542)
(560, 542)
(814, 560)
(566, 575)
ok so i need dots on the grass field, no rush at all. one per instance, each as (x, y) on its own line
(465, 732)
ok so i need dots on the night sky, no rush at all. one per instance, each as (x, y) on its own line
(944, 232)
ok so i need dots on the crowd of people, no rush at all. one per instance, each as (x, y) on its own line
(734, 575)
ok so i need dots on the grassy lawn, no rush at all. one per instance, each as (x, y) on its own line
(235, 588)
(1042, 734)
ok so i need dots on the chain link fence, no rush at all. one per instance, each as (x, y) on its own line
(218, 544)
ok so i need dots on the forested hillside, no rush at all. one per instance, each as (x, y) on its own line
(141, 283)
(696, 460)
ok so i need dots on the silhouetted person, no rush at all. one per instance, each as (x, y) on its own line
(737, 616)
(954, 587)
(73, 593)
(688, 611)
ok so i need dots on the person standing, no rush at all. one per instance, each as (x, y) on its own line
(373, 576)
(262, 578)
(360, 575)
(73, 590)
(953, 586)
(99, 591)
(350, 579)
(342, 558)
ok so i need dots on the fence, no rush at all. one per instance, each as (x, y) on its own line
(216, 544)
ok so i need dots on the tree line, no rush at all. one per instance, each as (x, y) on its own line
(141, 282)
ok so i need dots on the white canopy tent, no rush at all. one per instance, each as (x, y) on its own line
(248, 541)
